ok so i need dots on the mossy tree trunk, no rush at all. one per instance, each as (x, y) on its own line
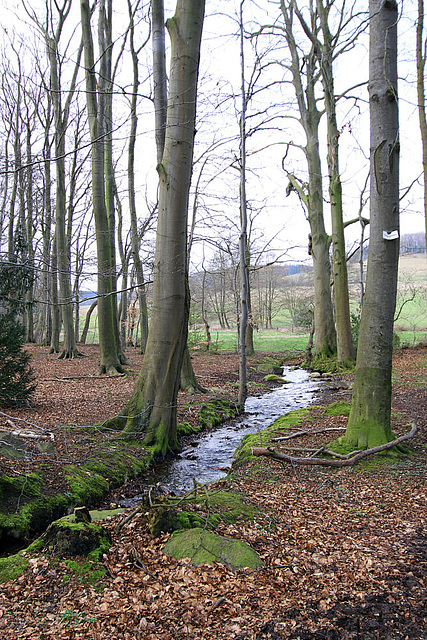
(107, 318)
(325, 336)
(369, 420)
(152, 408)
(327, 49)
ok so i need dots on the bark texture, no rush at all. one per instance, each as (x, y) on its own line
(369, 420)
(345, 349)
(152, 407)
(421, 52)
(325, 337)
(108, 330)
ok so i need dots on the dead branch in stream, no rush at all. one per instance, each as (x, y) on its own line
(347, 461)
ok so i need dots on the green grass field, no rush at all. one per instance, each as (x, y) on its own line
(410, 324)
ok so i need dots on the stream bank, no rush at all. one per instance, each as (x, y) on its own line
(85, 464)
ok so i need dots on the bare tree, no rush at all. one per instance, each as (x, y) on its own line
(312, 196)
(135, 235)
(369, 420)
(152, 407)
(421, 54)
(107, 313)
(327, 47)
(52, 36)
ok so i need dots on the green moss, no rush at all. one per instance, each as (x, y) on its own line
(339, 408)
(216, 411)
(66, 537)
(264, 438)
(88, 573)
(27, 509)
(273, 378)
(168, 519)
(329, 364)
(32, 517)
(86, 486)
(185, 429)
(24, 487)
(206, 547)
(12, 567)
(210, 509)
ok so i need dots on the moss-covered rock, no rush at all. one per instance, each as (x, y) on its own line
(206, 547)
(26, 508)
(267, 367)
(207, 510)
(167, 519)
(216, 411)
(271, 377)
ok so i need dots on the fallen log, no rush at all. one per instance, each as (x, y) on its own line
(269, 452)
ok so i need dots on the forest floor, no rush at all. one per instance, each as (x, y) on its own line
(344, 550)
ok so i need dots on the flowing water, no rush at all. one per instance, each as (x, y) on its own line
(207, 456)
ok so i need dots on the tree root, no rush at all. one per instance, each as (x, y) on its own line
(345, 461)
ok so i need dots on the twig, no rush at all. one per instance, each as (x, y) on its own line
(132, 514)
(137, 561)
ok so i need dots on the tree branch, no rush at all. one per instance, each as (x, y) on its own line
(269, 452)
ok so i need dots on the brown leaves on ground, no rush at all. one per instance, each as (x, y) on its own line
(344, 555)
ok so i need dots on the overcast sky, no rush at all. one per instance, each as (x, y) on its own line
(279, 222)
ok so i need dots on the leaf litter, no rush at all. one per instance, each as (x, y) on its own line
(344, 550)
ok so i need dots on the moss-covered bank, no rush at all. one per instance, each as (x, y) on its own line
(28, 505)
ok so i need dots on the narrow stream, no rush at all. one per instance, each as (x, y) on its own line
(207, 456)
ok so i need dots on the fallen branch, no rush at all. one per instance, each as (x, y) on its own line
(269, 452)
(306, 433)
(88, 377)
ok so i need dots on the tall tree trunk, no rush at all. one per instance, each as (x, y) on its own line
(345, 349)
(54, 298)
(325, 337)
(30, 233)
(243, 238)
(105, 117)
(69, 349)
(43, 333)
(188, 377)
(369, 420)
(135, 241)
(421, 52)
(109, 357)
(152, 407)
